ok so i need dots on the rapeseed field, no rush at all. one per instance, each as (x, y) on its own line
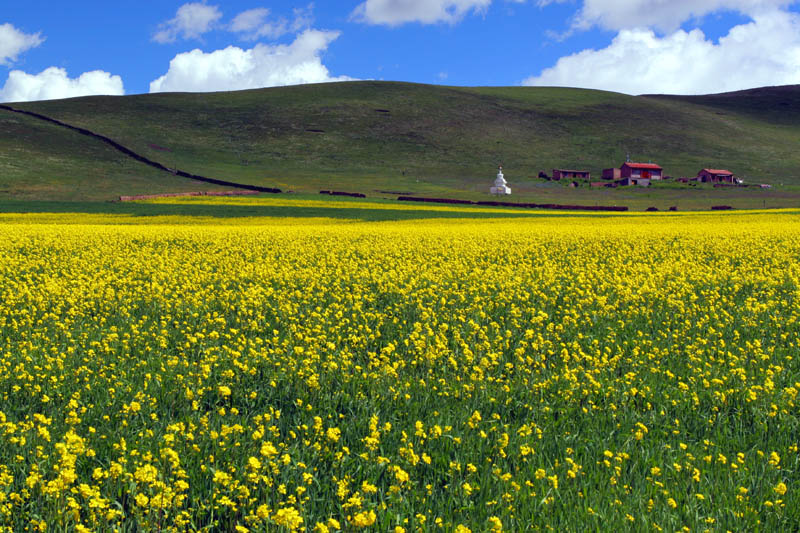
(634, 373)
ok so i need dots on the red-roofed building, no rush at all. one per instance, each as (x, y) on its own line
(714, 175)
(634, 174)
(646, 171)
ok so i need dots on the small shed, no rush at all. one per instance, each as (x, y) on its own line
(715, 175)
(611, 174)
(559, 173)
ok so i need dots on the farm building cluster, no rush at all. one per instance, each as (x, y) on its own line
(631, 173)
(641, 174)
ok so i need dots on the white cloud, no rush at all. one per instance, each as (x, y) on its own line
(396, 12)
(53, 83)
(254, 24)
(763, 52)
(261, 66)
(191, 21)
(666, 15)
(303, 17)
(13, 42)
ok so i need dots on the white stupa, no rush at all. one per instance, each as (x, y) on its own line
(500, 186)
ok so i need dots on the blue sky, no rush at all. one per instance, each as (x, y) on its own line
(61, 49)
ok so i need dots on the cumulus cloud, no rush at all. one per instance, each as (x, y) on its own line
(190, 22)
(261, 66)
(254, 24)
(53, 83)
(13, 42)
(396, 12)
(666, 15)
(763, 52)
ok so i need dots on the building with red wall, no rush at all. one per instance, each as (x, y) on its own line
(634, 174)
(635, 171)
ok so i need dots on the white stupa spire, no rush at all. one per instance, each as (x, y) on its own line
(500, 185)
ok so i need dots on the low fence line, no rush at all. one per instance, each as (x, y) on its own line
(513, 204)
(140, 158)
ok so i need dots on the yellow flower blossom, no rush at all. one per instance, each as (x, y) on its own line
(363, 519)
(269, 373)
(288, 517)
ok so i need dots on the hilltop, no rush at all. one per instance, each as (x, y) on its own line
(383, 138)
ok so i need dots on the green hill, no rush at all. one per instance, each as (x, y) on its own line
(399, 137)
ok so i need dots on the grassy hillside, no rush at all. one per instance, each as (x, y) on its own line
(400, 137)
(41, 161)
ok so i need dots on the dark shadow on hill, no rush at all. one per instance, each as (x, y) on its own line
(780, 104)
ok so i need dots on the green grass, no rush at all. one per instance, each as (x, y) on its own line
(366, 213)
(376, 210)
(420, 139)
(42, 161)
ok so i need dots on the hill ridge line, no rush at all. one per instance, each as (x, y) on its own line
(138, 157)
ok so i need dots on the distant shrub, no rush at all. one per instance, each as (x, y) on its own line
(343, 193)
